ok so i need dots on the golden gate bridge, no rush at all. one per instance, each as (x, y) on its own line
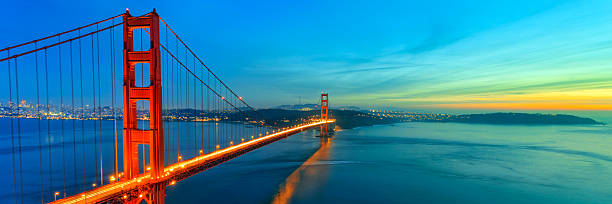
(177, 118)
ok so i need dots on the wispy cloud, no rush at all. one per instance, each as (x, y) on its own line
(556, 54)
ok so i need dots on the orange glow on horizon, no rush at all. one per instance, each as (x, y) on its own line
(527, 106)
(592, 99)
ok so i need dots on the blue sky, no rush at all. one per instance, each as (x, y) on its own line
(409, 54)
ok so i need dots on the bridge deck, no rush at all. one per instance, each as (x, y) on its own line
(123, 189)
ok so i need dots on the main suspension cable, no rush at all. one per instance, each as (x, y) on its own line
(58, 34)
(201, 62)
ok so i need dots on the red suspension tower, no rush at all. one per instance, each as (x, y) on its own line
(324, 113)
(132, 136)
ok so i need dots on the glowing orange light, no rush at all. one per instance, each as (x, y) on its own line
(148, 168)
(93, 184)
(140, 196)
(201, 151)
(222, 98)
(217, 146)
(172, 182)
(231, 142)
(112, 178)
(124, 196)
(240, 98)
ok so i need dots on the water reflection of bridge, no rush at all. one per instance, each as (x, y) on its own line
(311, 170)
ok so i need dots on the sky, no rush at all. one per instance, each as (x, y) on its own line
(483, 55)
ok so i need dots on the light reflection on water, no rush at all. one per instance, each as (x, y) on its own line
(305, 171)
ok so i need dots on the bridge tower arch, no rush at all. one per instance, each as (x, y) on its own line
(324, 112)
(132, 136)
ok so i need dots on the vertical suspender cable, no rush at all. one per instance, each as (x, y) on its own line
(202, 114)
(186, 107)
(73, 118)
(93, 114)
(173, 137)
(12, 130)
(112, 61)
(208, 111)
(99, 104)
(48, 123)
(19, 134)
(82, 114)
(180, 102)
(195, 134)
(166, 98)
(195, 131)
(59, 51)
(42, 191)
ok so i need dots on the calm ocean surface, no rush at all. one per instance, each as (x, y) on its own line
(418, 163)
(399, 163)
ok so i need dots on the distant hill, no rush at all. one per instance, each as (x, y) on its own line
(302, 107)
(345, 119)
(521, 119)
